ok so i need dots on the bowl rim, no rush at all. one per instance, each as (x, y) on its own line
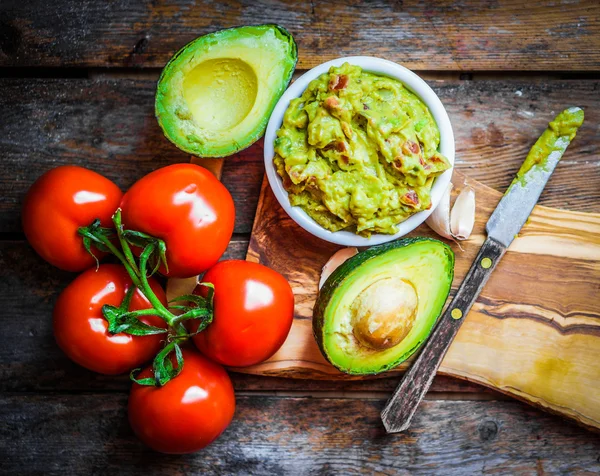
(386, 68)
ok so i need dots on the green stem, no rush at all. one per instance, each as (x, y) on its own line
(181, 332)
(114, 250)
(139, 277)
(141, 312)
(168, 316)
(124, 245)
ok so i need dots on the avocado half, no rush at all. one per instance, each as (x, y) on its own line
(215, 96)
(379, 306)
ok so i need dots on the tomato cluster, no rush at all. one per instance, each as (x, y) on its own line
(113, 318)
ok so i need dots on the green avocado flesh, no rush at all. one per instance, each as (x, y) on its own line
(400, 287)
(215, 96)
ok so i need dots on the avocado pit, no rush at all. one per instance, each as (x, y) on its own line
(384, 313)
(214, 86)
(380, 305)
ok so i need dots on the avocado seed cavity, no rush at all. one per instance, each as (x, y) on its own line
(384, 313)
(220, 93)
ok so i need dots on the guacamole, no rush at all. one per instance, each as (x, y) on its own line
(563, 127)
(358, 152)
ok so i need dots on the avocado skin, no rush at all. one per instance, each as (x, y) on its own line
(340, 274)
(258, 132)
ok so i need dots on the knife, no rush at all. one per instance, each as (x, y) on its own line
(506, 221)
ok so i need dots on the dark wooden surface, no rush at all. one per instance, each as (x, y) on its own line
(58, 418)
(290, 435)
(110, 126)
(448, 35)
(30, 361)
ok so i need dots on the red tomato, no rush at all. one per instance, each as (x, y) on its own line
(253, 312)
(188, 208)
(81, 330)
(186, 414)
(57, 204)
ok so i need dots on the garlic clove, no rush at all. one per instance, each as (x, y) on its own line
(335, 261)
(179, 287)
(462, 216)
(439, 220)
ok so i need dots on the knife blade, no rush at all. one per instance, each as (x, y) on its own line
(504, 224)
(523, 193)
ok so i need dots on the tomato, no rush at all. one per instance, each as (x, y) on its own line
(57, 204)
(253, 312)
(188, 208)
(187, 413)
(81, 330)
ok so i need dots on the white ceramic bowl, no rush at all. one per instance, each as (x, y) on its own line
(412, 82)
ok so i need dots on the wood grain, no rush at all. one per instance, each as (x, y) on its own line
(53, 434)
(102, 123)
(215, 166)
(403, 403)
(534, 332)
(108, 126)
(30, 360)
(506, 35)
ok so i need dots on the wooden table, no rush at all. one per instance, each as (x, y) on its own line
(77, 86)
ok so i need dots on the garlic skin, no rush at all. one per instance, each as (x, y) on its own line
(439, 220)
(462, 216)
(456, 223)
(335, 261)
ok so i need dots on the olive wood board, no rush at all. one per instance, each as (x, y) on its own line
(534, 332)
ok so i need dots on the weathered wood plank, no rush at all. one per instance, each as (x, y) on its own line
(31, 361)
(460, 389)
(465, 35)
(109, 126)
(495, 125)
(89, 434)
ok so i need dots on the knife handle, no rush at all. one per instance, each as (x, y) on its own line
(401, 406)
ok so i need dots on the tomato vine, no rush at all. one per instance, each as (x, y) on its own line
(119, 242)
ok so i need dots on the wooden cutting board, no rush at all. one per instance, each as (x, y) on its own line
(534, 332)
